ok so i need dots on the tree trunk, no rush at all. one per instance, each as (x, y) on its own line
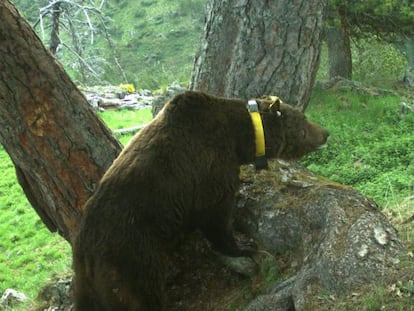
(339, 49)
(251, 48)
(407, 47)
(54, 34)
(58, 145)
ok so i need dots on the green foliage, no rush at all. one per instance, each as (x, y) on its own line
(370, 146)
(385, 18)
(373, 62)
(154, 42)
(376, 63)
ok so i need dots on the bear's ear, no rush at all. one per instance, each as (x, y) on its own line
(274, 107)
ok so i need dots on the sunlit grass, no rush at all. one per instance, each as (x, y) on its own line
(29, 253)
(126, 118)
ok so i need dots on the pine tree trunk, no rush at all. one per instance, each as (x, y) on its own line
(54, 34)
(58, 145)
(251, 48)
(407, 48)
(339, 48)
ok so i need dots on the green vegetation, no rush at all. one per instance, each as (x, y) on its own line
(371, 144)
(377, 63)
(370, 148)
(153, 41)
(126, 118)
(29, 253)
(157, 40)
(373, 62)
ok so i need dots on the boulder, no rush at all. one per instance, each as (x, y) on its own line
(160, 101)
(11, 298)
(332, 237)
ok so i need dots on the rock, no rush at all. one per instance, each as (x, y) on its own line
(334, 238)
(409, 76)
(160, 101)
(113, 97)
(242, 265)
(406, 108)
(56, 295)
(11, 298)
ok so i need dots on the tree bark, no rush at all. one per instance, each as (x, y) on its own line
(54, 34)
(251, 48)
(339, 48)
(58, 145)
(407, 47)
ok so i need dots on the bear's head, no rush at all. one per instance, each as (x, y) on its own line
(288, 134)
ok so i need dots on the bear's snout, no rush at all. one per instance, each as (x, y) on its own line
(318, 135)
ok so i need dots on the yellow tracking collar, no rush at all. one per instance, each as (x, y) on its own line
(261, 161)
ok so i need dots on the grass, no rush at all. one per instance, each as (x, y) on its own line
(126, 118)
(370, 148)
(371, 144)
(29, 253)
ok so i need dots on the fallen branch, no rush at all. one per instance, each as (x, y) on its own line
(410, 219)
(129, 130)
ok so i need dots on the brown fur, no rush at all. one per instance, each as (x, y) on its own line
(178, 174)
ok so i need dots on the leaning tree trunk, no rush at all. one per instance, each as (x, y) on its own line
(58, 145)
(251, 48)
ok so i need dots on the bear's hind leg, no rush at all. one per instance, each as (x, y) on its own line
(137, 284)
(86, 303)
(136, 289)
(84, 297)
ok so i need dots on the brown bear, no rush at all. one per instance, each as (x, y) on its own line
(180, 173)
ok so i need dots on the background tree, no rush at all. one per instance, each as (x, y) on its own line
(388, 21)
(77, 26)
(147, 43)
(339, 45)
(251, 48)
(58, 145)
